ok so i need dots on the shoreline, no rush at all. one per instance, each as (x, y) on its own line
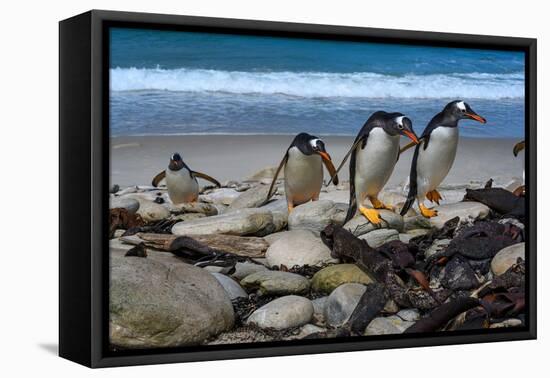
(135, 160)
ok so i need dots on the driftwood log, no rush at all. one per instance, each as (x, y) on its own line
(251, 247)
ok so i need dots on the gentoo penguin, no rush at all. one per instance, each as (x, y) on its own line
(181, 181)
(435, 154)
(303, 163)
(517, 148)
(373, 156)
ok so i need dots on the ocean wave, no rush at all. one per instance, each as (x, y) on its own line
(321, 84)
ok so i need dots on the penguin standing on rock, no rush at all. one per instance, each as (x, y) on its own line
(435, 154)
(373, 156)
(181, 181)
(303, 168)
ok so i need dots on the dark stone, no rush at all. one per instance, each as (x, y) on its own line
(459, 275)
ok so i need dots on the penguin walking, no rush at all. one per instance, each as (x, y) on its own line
(303, 168)
(373, 156)
(181, 181)
(435, 155)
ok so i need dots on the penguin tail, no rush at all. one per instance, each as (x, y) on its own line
(408, 204)
(352, 208)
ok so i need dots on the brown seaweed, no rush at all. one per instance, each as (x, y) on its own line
(441, 315)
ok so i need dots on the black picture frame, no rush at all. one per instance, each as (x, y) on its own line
(84, 161)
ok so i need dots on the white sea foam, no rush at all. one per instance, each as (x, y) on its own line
(320, 84)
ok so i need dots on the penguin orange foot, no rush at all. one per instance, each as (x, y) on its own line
(434, 196)
(371, 214)
(377, 204)
(428, 213)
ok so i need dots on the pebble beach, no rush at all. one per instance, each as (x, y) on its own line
(230, 269)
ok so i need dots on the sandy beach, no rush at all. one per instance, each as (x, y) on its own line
(135, 160)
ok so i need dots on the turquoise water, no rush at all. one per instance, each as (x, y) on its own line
(181, 82)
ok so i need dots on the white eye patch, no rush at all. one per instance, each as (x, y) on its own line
(461, 105)
(399, 120)
(313, 142)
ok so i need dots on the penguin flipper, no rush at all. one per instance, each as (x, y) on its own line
(406, 147)
(204, 176)
(355, 144)
(158, 178)
(518, 147)
(272, 186)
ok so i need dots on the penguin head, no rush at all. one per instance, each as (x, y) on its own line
(457, 110)
(310, 144)
(398, 124)
(176, 162)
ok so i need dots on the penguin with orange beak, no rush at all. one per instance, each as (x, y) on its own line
(303, 168)
(373, 157)
(435, 154)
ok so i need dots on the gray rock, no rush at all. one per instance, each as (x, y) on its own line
(409, 314)
(314, 215)
(196, 208)
(392, 199)
(265, 173)
(276, 283)
(280, 220)
(151, 211)
(416, 222)
(277, 205)
(335, 196)
(253, 197)
(359, 225)
(387, 326)
(376, 238)
(233, 289)
(224, 196)
(130, 204)
(243, 269)
(153, 304)
(298, 247)
(467, 211)
(282, 313)
(507, 257)
(272, 238)
(308, 330)
(341, 303)
(238, 222)
(319, 305)
(437, 246)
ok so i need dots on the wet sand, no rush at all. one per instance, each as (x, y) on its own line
(135, 160)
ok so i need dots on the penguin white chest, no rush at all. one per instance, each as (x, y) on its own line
(374, 164)
(303, 176)
(181, 186)
(435, 162)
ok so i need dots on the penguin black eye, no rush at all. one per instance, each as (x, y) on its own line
(400, 127)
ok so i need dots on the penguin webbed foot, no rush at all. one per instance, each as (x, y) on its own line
(434, 196)
(379, 205)
(372, 215)
(427, 213)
